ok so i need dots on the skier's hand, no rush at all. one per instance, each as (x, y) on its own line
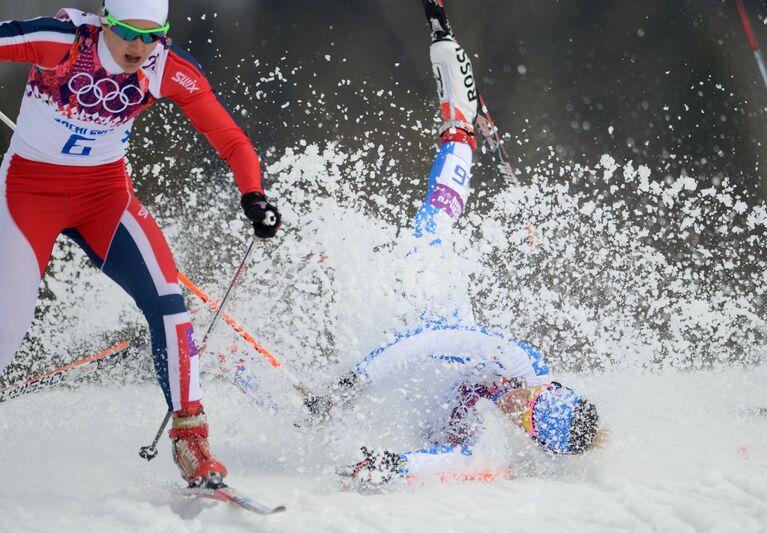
(265, 217)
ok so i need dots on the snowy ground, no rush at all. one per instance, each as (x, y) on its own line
(683, 456)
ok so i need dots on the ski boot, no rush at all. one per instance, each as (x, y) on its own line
(437, 19)
(191, 453)
(376, 470)
(458, 96)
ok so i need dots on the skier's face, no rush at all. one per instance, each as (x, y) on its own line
(129, 55)
(514, 403)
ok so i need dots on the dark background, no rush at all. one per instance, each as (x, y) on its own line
(669, 84)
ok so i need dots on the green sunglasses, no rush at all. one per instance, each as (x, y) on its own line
(129, 33)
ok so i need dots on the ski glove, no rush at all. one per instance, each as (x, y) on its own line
(265, 217)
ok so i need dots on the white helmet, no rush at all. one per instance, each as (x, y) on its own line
(152, 10)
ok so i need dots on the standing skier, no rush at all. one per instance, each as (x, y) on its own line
(65, 172)
(440, 371)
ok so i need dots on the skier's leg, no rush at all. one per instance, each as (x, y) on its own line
(29, 224)
(442, 283)
(138, 258)
(450, 176)
(124, 241)
(447, 192)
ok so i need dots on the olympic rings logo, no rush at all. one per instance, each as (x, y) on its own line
(106, 91)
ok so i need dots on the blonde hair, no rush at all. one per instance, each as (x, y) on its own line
(600, 439)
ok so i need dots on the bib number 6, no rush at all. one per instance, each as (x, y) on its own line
(77, 145)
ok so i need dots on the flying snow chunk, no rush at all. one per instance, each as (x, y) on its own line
(236, 226)
(610, 166)
(607, 161)
(588, 208)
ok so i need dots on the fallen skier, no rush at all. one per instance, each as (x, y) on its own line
(443, 369)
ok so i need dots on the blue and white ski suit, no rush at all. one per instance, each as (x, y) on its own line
(467, 363)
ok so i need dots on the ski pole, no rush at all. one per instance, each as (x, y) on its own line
(8, 122)
(150, 452)
(233, 284)
(297, 384)
(752, 41)
(271, 220)
(229, 320)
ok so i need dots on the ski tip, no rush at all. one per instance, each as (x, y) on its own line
(227, 494)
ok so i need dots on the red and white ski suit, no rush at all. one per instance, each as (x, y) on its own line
(65, 173)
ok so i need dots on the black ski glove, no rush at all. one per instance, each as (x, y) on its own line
(265, 217)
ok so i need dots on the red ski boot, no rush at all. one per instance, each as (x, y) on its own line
(190, 448)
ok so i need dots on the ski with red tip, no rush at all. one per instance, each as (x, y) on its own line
(69, 373)
(227, 494)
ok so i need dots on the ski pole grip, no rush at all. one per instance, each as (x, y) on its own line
(270, 219)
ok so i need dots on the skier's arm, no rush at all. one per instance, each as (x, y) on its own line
(436, 461)
(185, 83)
(41, 41)
(462, 343)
